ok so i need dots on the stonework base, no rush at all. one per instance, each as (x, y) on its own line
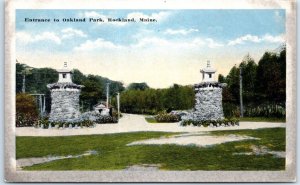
(64, 106)
(208, 105)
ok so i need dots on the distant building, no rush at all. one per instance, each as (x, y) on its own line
(102, 109)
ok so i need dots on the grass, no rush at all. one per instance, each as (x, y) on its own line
(113, 154)
(151, 120)
(262, 119)
(273, 139)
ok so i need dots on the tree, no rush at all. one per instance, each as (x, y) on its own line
(229, 102)
(115, 87)
(221, 78)
(26, 110)
(151, 101)
(92, 92)
(232, 81)
(78, 77)
(19, 76)
(138, 86)
(36, 80)
(282, 83)
(270, 79)
(249, 68)
(264, 86)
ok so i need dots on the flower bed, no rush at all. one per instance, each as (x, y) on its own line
(45, 123)
(106, 119)
(206, 123)
(167, 118)
(87, 119)
(98, 118)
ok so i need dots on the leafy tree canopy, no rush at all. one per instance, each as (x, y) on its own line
(138, 86)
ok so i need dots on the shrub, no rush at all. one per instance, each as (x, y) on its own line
(106, 119)
(115, 114)
(265, 110)
(44, 123)
(206, 123)
(230, 110)
(86, 123)
(26, 110)
(98, 118)
(165, 117)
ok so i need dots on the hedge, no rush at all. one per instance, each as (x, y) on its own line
(45, 123)
(165, 117)
(206, 123)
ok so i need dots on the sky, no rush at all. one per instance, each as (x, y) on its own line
(173, 49)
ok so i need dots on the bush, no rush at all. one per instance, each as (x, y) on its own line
(265, 110)
(230, 110)
(86, 123)
(106, 119)
(206, 123)
(96, 117)
(26, 110)
(165, 117)
(115, 114)
(44, 123)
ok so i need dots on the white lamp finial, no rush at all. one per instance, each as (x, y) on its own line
(208, 63)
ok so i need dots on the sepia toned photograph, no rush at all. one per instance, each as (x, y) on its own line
(142, 94)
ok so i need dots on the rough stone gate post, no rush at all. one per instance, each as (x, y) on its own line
(208, 97)
(64, 97)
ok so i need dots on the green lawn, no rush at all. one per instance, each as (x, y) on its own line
(151, 120)
(262, 119)
(113, 154)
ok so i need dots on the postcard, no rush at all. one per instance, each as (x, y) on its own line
(160, 91)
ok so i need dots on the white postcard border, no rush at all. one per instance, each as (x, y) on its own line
(12, 175)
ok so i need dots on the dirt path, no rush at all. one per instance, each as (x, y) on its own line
(135, 123)
(39, 160)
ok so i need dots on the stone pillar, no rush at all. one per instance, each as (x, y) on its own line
(65, 105)
(208, 102)
(64, 102)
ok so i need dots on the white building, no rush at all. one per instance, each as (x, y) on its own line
(102, 109)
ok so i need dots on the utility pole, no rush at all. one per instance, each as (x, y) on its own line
(40, 100)
(241, 92)
(107, 94)
(23, 84)
(118, 104)
(24, 72)
(41, 105)
(44, 107)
